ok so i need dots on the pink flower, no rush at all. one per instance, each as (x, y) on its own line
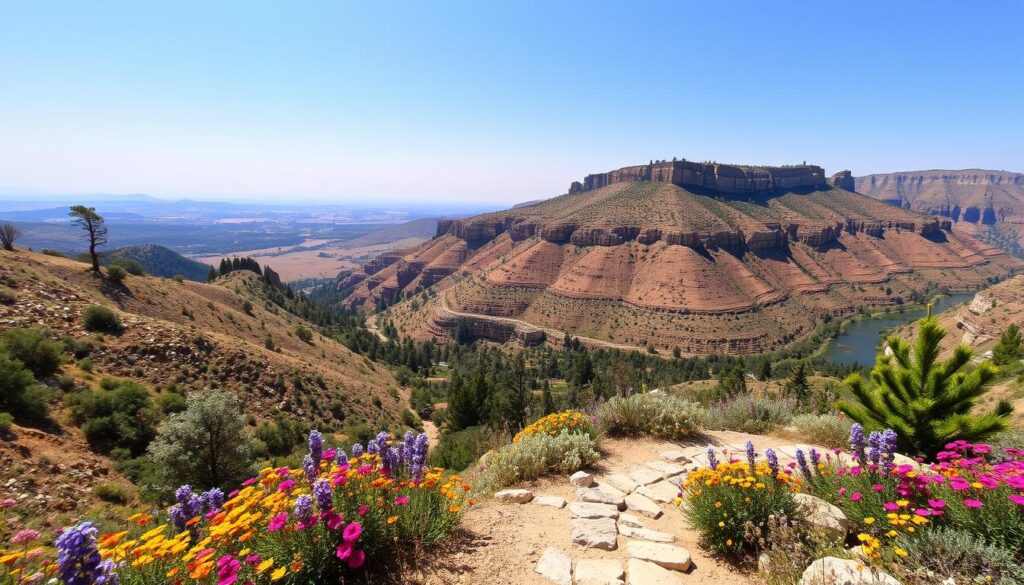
(842, 491)
(971, 503)
(286, 485)
(249, 481)
(282, 471)
(277, 522)
(364, 469)
(23, 536)
(339, 479)
(1017, 499)
(363, 510)
(334, 521)
(330, 454)
(401, 500)
(6, 503)
(959, 484)
(890, 506)
(855, 497)
(357, 559)
(878, 487)
(352, 532)
(253, 559)
(939, 504)
(982, 448)
(344, 550)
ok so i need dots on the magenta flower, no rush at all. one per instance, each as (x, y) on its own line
(972, 503)
(286, 485)
(23, 536)
(363, 510)
(357, 559)
(352, 532)
(334, 520)
(939, 504)
(982, 448)
(959, 484)
(344, 550)
(1017, 499)
(890, 506)
(277, 522)
(401, 500)
(878, 487)
(855, 497)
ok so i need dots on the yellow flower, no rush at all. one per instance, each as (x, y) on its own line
(263, 566)
(278, 574)
(869, 520)
(392, 519)
(901, 552)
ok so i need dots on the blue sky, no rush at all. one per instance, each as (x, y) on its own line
(486, 101)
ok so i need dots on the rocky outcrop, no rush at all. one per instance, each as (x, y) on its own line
(843, 180)
(272, 278)
(711, 176)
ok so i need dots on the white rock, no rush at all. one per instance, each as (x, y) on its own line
(514, 496)
(642, 505)
(556, 566)
(603, 495)
(647, 573)
(630, 520)
(836, 571)
(581, 479)
(598, 572)
(644, 475)
(599, 533)
(589, 510)
(646, 534)
(668, 556)
(823, 516)
(621, 482)
(674, 456)
(665, 468)
(552, 501)
(663, 491)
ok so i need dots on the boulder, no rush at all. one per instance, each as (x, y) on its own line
(601, 533)
(823, 516)
(590, 510)
(836, 571)
(646, 534)
(514, 496)
(668, 556)
(551, 501)
(599, 572)
(642, 505)
(581, 479)
(556, 566)
(647, 573)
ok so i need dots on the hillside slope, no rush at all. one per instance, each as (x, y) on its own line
(641, 262)
(161, 261)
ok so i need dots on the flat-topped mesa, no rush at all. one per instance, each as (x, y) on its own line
(711, 176)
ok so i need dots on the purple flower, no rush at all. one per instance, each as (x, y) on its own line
(815, 458)
(890, 443)
(801, 460)
(303, 510)
(78, 559)
(183, 494)
(342, 457)
(316, 445)
(875, 444)
(311, 468)
(178, 517)
(857, 443)
(712, 460)
(773, 461)
(323, 495)
(751, 455)
(357, 450)
(214, 499)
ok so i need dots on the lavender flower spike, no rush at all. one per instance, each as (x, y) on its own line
(712, 460)
(801, 461)
(751, 456)
(316, 445)
(773, 461)
(857, 443)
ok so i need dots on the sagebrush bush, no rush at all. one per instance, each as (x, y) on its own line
(33, 348)
(100, 318)
(828, 430)
(114, 493)
(19, 394)
(658, 415)
(6, 420)
(938, 554)
(749, 414)
(123, 417)
(116, 273)
(538, 455)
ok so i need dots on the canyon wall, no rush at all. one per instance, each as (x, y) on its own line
(712, 176)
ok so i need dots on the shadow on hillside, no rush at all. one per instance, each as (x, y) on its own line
(937, 237)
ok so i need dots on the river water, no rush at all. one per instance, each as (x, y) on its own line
(858, 343)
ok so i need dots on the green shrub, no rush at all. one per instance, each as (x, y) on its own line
(178, 278)
(658, 415)
(77, 347)
(282, 436)
(171, 402)
(304, 333)
(6, 420)
(247, 307)
(8, 296)
(538, 455)
(85, 365)
(20, 395)
(749, 414)
(113, 493)
(123, 417)
(52, 252)
(116, 273)
(458, 450)
(828, 430)
(33, 349)
(129, 265)
(103, 319)
(957, 554)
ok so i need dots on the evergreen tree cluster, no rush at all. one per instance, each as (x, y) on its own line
(228, 265)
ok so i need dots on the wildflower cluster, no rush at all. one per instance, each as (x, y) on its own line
(732, 502)
(553, 424)
(25, 561)
(314, 524)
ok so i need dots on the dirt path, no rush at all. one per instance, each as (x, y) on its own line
(503, 542)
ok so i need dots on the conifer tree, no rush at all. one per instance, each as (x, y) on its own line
(1009, 347)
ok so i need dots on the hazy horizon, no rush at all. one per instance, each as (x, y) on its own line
(476, 104)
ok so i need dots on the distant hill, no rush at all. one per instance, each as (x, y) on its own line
(161, 261)
(424, 228)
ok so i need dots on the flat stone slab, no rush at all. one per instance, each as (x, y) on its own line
(581, 479)
(556, 566)
(674, 456)
(644, 475)
(665, 468)
(602, 495)
(621, 482)
(551, 501)
(646, 534)
(591, 510)
(663, 491)
(668, 556)
(836, 571)
(647, 573)
(601, 533)
(514, 496)
(599, 572)
(630, 520)
(642, 505)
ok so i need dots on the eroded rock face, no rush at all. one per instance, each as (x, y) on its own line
(713, 176)
(843, 180)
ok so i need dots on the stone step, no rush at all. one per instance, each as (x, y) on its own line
(621, 482)
(663, 492)
(591, 510)
(668, 556)
(644, 475)
(514, 496)
(647, 573)
(646, 534)
(556, 566)
(642, 505)
(581, 479)
(630, 520)
(602, 495)
(599, 572)
(600, 533)
(551, 501)
(665, 468)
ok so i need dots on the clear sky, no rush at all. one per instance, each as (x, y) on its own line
(497, 101)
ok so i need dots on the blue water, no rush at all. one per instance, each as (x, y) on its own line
(860, 340)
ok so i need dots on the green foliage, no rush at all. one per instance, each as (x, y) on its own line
(130, 265)
(247, 307)
(657, 415)
(732, 381)
(796, 385)
(6, 420)
(927, 402)
(206, 445)
(538, 455)
(33, 348)
(102, 319)
(460, 449)
(52, 252)
(304, 333)
(171, 402)
(8, 297)
(956, 554)
(281, 436)
(1009, 348)
(20, 395)
(113, 493)
(85, 364)
(121, 417)
(116, 273)
(749, 414)
(828, 430)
